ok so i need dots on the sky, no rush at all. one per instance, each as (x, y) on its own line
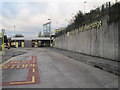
(28, 16)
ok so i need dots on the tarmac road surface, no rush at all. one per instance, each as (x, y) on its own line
(44, 68)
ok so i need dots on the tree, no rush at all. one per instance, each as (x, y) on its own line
(39, 35)
(18, 35)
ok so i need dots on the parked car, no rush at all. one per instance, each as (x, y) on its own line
(13, 46)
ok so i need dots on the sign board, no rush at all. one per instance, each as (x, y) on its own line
(57, 30)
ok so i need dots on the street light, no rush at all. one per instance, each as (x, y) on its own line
(15, 34)
(50, 26)
(3, 46)
(84, 6)
(50, 30)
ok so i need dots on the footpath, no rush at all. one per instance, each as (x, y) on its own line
(111, 66)
(9, 53)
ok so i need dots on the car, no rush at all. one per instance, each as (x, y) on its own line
(13, 46)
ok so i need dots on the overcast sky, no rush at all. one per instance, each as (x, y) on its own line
(28, 16)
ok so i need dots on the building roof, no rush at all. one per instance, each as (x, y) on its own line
(41, 38)
(31, 38)
(17, 38)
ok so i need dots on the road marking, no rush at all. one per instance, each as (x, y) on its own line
(33, 81)
(33, 65)
(33, 70)
(18, 66)
(20, 82)
(6, 67)
(12, 66)
(5, 63)
(23, 65)
(26, 66)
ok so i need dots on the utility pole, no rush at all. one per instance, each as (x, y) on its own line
(3, 45)
(84, 6)
(50, 31)
(15, 34)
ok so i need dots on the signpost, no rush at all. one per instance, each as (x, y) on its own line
(3, 45)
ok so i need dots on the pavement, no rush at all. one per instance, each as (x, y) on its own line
(108, 65)
(45, 68)
(12, 52)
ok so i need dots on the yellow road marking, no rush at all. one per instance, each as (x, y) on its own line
(0, 67)
(33, 80)
(5, 63)
(6, 67)
(26, 66)
(18, 66)
(12, 66)
(23, 65)
(33, 65)
(33, 70)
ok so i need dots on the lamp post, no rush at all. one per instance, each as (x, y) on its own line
(3, 46)
(50, 26)
(50, 31)
(84, 6)
(15, 34)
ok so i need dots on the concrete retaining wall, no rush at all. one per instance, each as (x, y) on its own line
(102, 42)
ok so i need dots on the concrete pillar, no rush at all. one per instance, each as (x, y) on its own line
(22, 44)
(16, 44)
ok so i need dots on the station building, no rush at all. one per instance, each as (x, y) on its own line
(31, 42)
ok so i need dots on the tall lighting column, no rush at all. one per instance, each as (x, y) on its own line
(84, 6)
(15, 34)
(50, 31)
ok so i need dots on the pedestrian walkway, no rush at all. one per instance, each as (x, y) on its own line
(9, 53)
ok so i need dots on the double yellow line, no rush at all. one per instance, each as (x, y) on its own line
(33, 81)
